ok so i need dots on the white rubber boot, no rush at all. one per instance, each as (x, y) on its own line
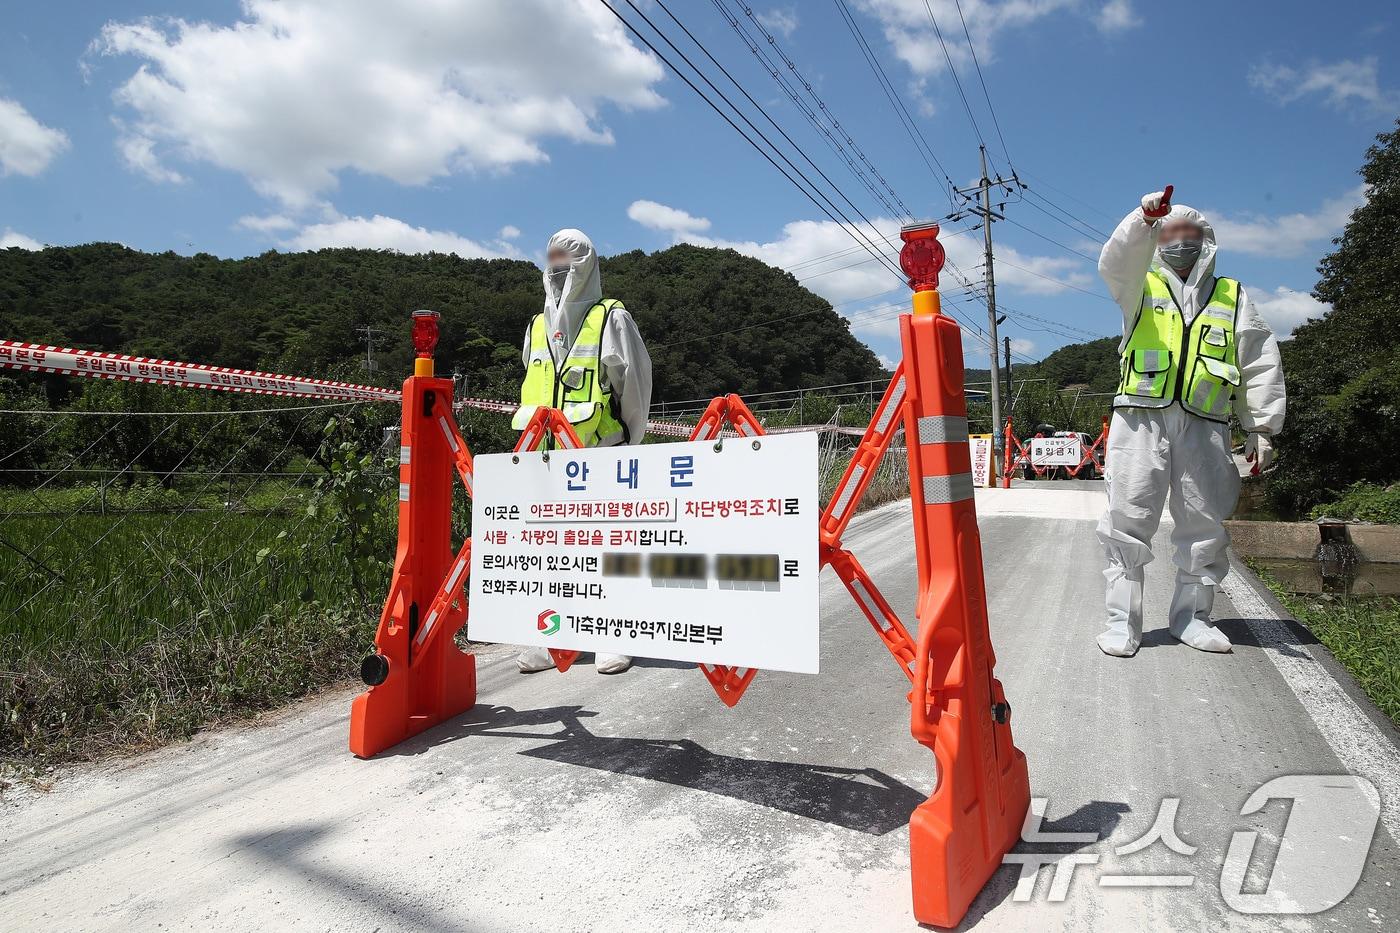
(531, 660)
(1123, 600)
(1189, 619)
(612, 663)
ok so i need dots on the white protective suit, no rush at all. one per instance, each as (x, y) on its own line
(1151, 451)
(626, 367)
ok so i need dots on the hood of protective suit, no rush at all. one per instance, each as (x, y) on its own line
(1204, 269)
(565, 307)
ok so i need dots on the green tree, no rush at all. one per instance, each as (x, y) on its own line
(1343, 373)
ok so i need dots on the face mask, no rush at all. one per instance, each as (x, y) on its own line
(557, 275)
(1181, 254)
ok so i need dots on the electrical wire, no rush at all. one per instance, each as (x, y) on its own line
(759, 108)
(990, 109)
(1064, 246)
(1062, 284)
(832, 212)
(954, 72)
(811, 116)
(1093, 231)
(916, 135)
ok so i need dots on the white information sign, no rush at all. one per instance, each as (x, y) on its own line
(1056, 451)
(981, 449)
(678, 551)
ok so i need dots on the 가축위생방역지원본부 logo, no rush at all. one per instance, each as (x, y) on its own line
(548, 622)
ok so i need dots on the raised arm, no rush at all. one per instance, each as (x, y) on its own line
(1127, 255)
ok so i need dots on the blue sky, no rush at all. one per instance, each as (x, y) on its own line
(481, 127)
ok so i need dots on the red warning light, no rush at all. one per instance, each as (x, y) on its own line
(425, 333)
(922, 256)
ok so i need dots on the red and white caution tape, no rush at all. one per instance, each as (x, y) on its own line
(33, 357)
(94, 364)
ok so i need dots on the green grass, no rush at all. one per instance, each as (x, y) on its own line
(1365, 502)
(1362, 633)
(128, 627)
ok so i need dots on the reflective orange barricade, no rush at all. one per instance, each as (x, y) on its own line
(958, 708)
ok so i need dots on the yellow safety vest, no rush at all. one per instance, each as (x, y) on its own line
(1164, 361)
(579, 389)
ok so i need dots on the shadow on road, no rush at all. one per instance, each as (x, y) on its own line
(293, 852)
(1097, 817)
(862, 799)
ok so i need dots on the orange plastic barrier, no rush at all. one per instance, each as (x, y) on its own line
(958, 708)
(418, 677)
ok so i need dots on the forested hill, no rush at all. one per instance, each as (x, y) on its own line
(714, 320)
(1093, 364)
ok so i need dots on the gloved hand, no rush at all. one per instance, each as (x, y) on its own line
(1156, 205)
(1259, 450)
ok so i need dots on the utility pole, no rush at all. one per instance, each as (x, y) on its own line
(1007, 342)
(370, 333)
(984, 210)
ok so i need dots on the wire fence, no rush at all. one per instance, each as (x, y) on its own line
(116, 527)
(160, 568)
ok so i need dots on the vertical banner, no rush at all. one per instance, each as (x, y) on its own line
(982, 473)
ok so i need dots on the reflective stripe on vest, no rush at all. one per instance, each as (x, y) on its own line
(1164, 361)
(577, 388)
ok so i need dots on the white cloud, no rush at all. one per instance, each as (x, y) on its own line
(1288, 235)
(380, 232)
(298, 91)
(782, 20)
(1117, 16)
(270, 223)
(509, 232)
(1022, 346)
(139, 153)
(1284, 309)
(656, 216)
(1337, 83)
(825, 259)
(26, 145)
(907, 27)
(9, 238)
(887, 363)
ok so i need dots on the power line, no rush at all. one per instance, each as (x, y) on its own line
(1093, 231)
(916, 135)
(1059, 282)
(848, 225)
(811, 115)
(1063, 246)
(954, 72)
(990, 109)
(1102, 213)
(732, 80)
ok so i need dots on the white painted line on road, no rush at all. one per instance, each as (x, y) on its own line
(1356, 741)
